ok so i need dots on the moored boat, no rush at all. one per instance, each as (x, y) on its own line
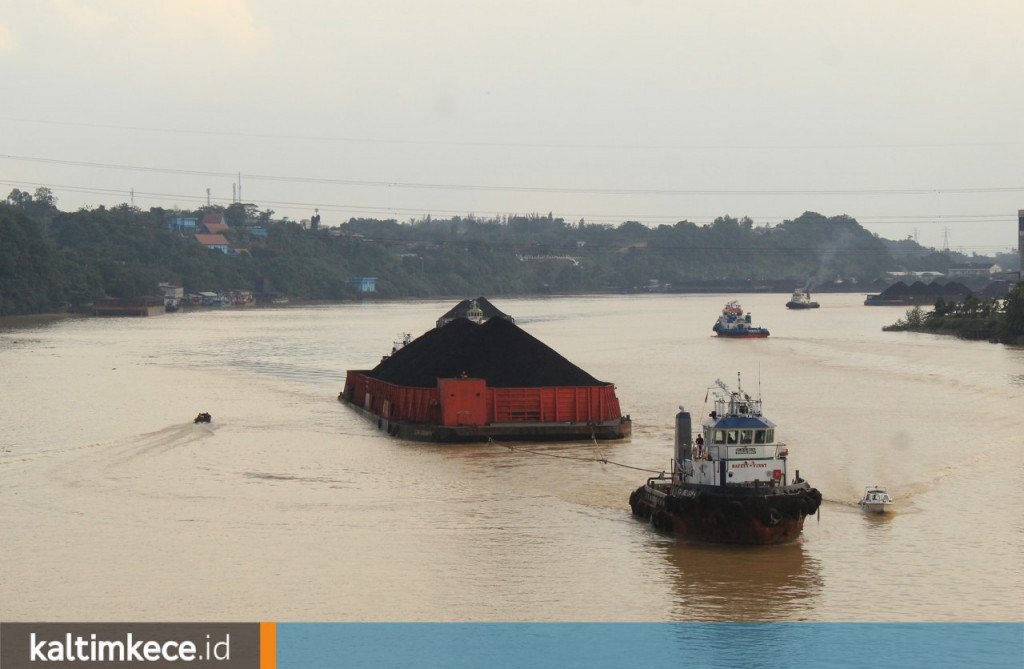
(733, 322)
(730, 484)
(801, 299)
(876, 499)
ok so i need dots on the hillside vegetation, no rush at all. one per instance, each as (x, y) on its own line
(52, 260)
(990, 319)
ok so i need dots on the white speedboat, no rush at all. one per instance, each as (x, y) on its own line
(876, 500)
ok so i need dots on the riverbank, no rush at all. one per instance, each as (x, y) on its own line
(1000, 321)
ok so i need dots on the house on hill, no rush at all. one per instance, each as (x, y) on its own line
(218, 242)
(213, 223)
(363, 284)
(183, 224)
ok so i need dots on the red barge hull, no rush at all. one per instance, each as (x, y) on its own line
(468, 410)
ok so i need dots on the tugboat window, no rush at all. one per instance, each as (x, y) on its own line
(759, 436)
(719, 436)
(747, 437)
(769, 436)
(732, 436)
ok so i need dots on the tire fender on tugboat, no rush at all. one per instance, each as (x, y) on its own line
(771, 517)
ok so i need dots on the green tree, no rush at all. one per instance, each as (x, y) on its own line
(29, 280)
(1011, 326)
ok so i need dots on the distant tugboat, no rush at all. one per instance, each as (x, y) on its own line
(734, 323)
(730, 485)
(801, 299)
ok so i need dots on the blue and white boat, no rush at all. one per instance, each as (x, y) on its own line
(734, 323)
(732, 483)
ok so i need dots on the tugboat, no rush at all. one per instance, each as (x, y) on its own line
(876, 499)
(734, 323)
(728, 486)
(801, 299)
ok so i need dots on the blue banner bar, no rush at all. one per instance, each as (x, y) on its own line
(641, 645)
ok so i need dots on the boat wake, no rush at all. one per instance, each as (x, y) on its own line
(128, 448)
(163, 440)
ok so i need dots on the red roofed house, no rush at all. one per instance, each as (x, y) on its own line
(218, 242)
(213, 223)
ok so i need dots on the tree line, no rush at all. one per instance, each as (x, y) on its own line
(52, 260)
(991, 319)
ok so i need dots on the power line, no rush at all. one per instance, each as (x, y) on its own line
(615, 248)
(521, 189)
(389, 211)
(527, 145)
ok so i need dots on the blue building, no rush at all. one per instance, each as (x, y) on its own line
(363, 284)
(186, 224)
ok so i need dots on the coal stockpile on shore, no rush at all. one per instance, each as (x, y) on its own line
(934, 290)
(498, 351)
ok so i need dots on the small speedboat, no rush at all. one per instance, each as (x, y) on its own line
(876, 500)
(203, 418)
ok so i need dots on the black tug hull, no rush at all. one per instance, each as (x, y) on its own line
(761, 515)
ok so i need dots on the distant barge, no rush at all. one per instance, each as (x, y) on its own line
(479, 376)
(139, 306)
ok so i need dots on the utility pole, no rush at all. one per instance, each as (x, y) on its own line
(207, 197)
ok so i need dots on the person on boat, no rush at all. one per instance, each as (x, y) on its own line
(698, 446)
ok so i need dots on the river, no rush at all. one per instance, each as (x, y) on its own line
(290, 506)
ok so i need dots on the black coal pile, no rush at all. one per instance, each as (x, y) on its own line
(461, 310)
(951, 289)
(498, 350)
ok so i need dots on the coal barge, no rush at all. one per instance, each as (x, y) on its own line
(478, 376)
(730, 484)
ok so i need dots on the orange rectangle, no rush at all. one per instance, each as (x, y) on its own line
(268, 645)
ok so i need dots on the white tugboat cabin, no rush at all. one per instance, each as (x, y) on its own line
(737, 445)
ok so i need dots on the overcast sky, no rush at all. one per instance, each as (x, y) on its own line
(907, 115)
